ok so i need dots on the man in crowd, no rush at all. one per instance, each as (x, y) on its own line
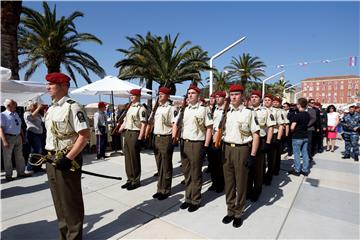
(134, 125)
(312, 127)
(12, 141)
(101, 130)
(351, 124)
(67, 134)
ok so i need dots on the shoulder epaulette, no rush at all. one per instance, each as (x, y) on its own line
(70, 101)
(249, 108)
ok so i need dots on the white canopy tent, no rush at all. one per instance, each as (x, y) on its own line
(111, 85)
(20, 91)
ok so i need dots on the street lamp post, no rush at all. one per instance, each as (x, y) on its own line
(263, 82)
(218, 55)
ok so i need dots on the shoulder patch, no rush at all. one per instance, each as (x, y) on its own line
(143, 114)
(256, 120)
(80, 115)
(70, 101)
(282, 116)
(272, 117)
(175, 113)
(209, 115)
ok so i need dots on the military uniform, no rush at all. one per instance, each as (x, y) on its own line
(135, 115)
(351, 136)
(63, 120)
(240, 124)
(163, 149)
(255, 180)
(274, 155)
(193, 133)
(214, 156)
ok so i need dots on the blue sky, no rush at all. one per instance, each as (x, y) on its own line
(278, 32)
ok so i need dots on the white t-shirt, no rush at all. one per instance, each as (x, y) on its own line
(332, 118)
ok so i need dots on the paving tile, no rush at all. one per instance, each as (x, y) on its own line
(308, 225)
(328, 202)
(158, 229)
(338, 166)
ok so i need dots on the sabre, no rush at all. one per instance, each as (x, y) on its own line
(36, 159)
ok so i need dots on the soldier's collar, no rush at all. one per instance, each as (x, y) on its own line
(196, 105)
(135, 104)
(220, 107)
(61, 101)
(167, 103)
(239, 108)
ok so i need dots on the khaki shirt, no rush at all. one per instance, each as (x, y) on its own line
(279, 120)
(217, 117)
(135, 115)
(264, 119)
(164, 118)
(63, 120)
(195, 121)
(284, 114)
(239, 126)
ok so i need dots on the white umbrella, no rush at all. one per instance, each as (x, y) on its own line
(111, 85)
(20, 91)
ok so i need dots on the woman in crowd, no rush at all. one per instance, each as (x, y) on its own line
(333, 122)
(34, 130)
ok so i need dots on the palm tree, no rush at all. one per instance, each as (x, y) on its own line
(246, 68)
(221, 80)
(161, 60)
(46, 40)
(10, 18)
(281, 85)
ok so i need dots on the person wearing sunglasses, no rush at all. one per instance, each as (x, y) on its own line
(10, 133)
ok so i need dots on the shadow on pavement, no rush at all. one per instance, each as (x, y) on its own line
(17, 190)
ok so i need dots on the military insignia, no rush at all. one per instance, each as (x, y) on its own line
(256, 121)
(272, 117)
(282, 117)
(70, 101)
(81, 117)
(143, 114)
(175, 113)
(209, 115)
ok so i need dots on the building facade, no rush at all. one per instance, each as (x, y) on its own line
(338, 90)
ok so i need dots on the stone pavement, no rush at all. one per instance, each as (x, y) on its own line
(323, 205)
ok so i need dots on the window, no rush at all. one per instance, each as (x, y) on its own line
(323, 94)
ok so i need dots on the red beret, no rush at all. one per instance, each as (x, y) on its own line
(136, 92)
(165, 90)
(256, 92)
(202, 99)
(221, 94)
(57, 78)
(317, 104)
(277, 99)
(102, 104)
(269, 96)
(194, 87)
(236, 88)
(213, 94)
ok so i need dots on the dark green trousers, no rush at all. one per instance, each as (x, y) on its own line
(68, 200)
(256, 175)
(132, 157)
(191, 165)
(235, 175)
(163, 151)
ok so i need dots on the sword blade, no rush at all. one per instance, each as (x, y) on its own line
(100, 175)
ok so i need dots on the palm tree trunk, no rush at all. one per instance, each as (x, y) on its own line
(10, 18)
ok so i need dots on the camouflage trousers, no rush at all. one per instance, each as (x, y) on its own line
(351, 141)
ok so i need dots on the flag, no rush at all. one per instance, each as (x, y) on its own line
(303, 64)
(326, 61)
(279, 66)
(352, 61)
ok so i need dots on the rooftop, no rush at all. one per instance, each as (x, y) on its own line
(346, 77)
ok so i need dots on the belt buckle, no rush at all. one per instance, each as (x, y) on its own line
(232, 145)
(158, 135)
(186, 140)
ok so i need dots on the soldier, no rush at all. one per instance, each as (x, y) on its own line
(239, 154)
(283, 133)
(217, 175)
(196, 135)
(351, 124)
(164, 119)
(101, 130)
(134, 125)
(266, 123)
(67, 129)
(275, 145)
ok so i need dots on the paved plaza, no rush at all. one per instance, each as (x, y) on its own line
(323, 205)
